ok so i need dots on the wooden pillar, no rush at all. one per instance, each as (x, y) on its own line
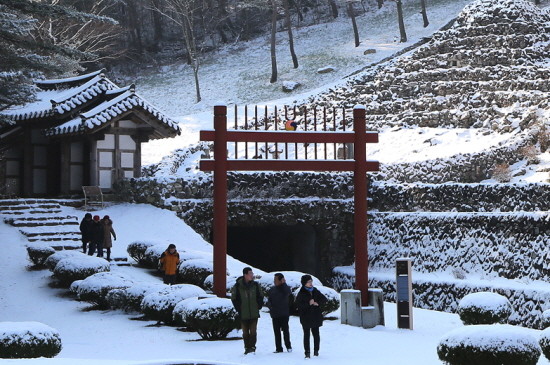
(220, 201)
(360, 204)
(28, 161)
(93, 163)
(65, 167)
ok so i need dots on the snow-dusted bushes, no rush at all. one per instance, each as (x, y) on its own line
(53, 259)
(292, 278)
(212, 318)
(79, 268)
(28, 340)
(544, 342)
(39, 254)
(333, 300)
(129, 299)
(489, 345)
(195, 271)
(160, 305)
(545, 319)
(152, 255)
(95, 287)
(209, 282)
(484, 308)
(136, 250)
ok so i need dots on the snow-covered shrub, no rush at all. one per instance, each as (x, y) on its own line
(545, 320)
(129, 299)
(28, 340)
(212, 318)
(292, 278)
(544, 342)
(333, 300)
(194, 271)
(502, 173)
(136, 250)
(209, 282)
(39, 254)
(497, 344)
(152, 255)
(484, 308)
(95, 287)
(160, 305)
(79, 268)
(53, 259)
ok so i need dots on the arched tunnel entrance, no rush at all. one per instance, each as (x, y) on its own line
(276, 247)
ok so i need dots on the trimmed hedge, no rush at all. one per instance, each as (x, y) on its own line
(136, 250)
(152, 255)
(28, 340)
(129, 299)
(484, 308)
(39, 254)
(94, 288)
(53, 259)
(489, 345)
(212, 318)
(160, 305)
(195, 271)
(79, 268)
(544, 342)
(333, 300)
(545, 320)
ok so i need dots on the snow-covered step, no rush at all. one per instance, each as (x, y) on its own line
(54, 237)
(39, 222)
(59, 244)
(43, 229)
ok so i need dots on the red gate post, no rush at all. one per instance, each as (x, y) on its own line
(220, 201)
(360, 203)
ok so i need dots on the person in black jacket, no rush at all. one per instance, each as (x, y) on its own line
(279, 302)
(85, 228)
(96, 237)
(308, 302)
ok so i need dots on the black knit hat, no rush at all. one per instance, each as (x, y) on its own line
(306, 278)
(171, 246)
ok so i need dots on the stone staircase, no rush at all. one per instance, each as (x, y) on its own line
(43, 223)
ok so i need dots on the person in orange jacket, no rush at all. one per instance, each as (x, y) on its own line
(170, 260)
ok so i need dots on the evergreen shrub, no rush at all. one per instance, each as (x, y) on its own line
(28, 340)
(484, 308)
(333, 300)
(496, 344)
(53, 259)
(195, 271)
(160, 305)
(39, 254)
(152, 255)
(129, 299)
(545, 320)
(544, 342)
(212, 318)
(136, 250)
(79, 268)
(94, 288)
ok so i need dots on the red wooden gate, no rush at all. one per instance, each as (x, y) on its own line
(221, 165)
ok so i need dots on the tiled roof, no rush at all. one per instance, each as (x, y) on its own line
(107, 111)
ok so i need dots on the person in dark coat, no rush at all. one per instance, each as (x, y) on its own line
(279, 302)
(247, 299)
(107, 232)
(308, 302)
(85, 230)
(96, 237)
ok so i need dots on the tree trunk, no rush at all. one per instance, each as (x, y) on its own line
(424, 13)
(401, 21)
(290, 37)
(334, 8)
(351, 13)
(273, 31)
(380, 4)
(537, 2)
(196, 74)
(134, 29)
(157, 24)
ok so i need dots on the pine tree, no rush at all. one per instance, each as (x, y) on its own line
(26, 55)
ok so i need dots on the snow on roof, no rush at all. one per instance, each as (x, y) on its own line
(107, 111)
(56, 82)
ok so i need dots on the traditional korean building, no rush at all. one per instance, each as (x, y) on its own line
(83, 130)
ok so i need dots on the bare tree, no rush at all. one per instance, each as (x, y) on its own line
(333, 8)
(290, 37)
(273, 33)
(351, 13)
(182, 12)
(424, 13)
(401, 21)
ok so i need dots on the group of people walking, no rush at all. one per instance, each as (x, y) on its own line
(96, 235)
(247, 299)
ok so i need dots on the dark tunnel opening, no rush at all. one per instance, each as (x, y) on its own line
(276, 247)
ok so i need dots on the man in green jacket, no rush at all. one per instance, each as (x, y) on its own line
(247, 300)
